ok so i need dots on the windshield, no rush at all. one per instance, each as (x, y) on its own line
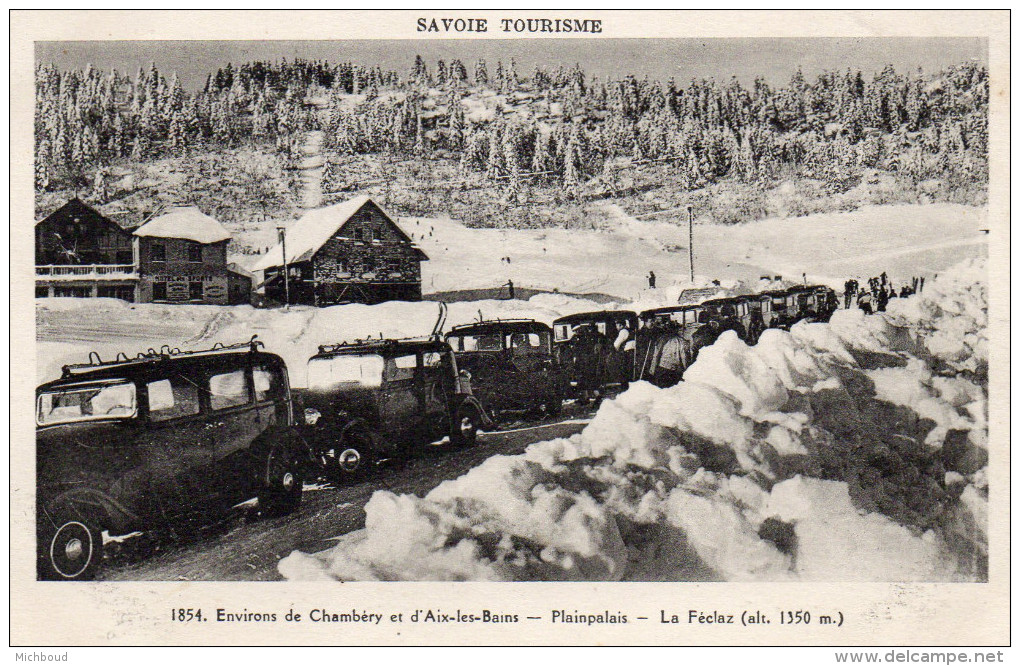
(86, 404)
(365, 370)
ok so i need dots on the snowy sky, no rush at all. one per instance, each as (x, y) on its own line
(682, 59)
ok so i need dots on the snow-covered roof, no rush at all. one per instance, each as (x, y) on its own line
(186, 222)
(313, 230)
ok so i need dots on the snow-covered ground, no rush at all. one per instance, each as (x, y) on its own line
(848, 451)
(903, 241)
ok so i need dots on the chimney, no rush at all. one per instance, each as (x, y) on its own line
(310, 165)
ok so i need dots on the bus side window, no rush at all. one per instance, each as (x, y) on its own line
(268, 382)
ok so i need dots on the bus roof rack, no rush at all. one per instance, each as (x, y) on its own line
(521, 320)
(151, 355)
(374, 342)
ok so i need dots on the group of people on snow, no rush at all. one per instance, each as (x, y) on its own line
(875, 297)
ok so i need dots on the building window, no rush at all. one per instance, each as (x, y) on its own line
(359, 234)
(195, 253)
(368, 264)
(42, 292)
(158, 252)
(159, 291)
(123, 292)
(393, 265)
(72, 292)
(195, 291)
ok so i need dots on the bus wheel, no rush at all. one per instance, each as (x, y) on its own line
(71, 548)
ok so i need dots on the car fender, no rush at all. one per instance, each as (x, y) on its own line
(472, 401)
(112, 515)
(355, 423)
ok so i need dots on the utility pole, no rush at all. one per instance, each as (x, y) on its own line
(690, 239)
(281, 233)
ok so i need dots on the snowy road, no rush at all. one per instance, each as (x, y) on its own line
(234, 549)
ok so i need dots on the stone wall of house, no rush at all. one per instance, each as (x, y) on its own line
(367, 249)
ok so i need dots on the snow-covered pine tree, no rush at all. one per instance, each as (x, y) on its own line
(481, 73)
(494, 161)
(441, 73)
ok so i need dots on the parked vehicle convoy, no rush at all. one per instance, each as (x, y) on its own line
(669, 338)
(595, 350)
(511, 364)
(156, 440)
(372, 399)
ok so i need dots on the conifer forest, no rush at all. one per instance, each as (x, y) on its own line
(492, 143)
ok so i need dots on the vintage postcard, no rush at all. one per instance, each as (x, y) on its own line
(508, 327)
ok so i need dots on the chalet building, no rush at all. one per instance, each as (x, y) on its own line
(182, 258)
(349, 252)
(80, 252)
(179, 256)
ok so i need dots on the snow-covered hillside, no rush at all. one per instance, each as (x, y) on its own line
(848, 451)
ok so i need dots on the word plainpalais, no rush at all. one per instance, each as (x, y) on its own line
(530, 25)
(577, 617)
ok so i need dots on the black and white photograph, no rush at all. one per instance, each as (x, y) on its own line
(552, 307)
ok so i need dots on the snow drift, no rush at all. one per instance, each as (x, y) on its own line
(848, 451)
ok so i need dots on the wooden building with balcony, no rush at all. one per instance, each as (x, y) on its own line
(178, 256)
(82, 253)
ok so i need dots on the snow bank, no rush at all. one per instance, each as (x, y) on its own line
(822, 453)
(951, 316)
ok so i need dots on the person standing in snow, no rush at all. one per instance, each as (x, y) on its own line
(864, 302)
(651, 279)
(848, 293)
(883, 299)
(920, 284)
(510, 288)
